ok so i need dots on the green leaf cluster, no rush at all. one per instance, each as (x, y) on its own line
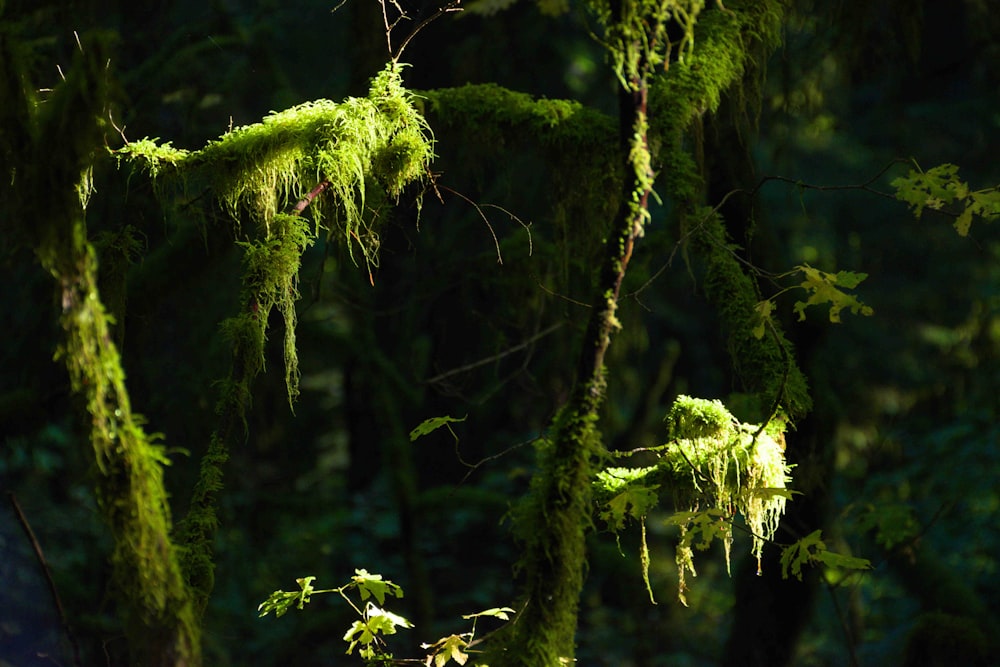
(825, 288)
(364, 634)
(811, 549)
(940, 187)
(280, 602)
(374, 622)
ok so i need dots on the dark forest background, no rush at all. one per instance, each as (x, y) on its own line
(897, 463)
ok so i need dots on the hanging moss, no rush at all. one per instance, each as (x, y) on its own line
(316, 166)
(362, 147)
(270, 279)
(711, 468)
(718, 463)
(636, 35)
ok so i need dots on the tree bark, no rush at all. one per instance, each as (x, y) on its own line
(554, 522)
(45, 187)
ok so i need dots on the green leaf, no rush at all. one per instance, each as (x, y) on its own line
(986, 203)
(503, 613)
(931, 189)
(963, 222)
(358, 633)
(432, 424)
(281, 601)
(768, 492)
(376, 621)
(811, 549)
(824, 288)
(384, 621)
(940, 187)
(843, 562)
(707, 524)
(795, 555)
(761, 317)
(447, 648)
(632, 502)
(372, 585)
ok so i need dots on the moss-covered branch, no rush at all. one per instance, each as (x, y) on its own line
(327, 160)
(552, 523)
(728, 46)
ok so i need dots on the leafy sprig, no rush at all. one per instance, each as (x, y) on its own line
(812, 550)
(822, 288)
(374, 622)
(940, 189)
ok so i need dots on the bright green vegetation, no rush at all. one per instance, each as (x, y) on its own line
(640, 266)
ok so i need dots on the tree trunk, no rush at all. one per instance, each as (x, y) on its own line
(45, 188)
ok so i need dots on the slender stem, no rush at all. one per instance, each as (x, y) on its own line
(312, 194)
(40, 556)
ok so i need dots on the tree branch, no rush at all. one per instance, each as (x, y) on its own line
(53, 591)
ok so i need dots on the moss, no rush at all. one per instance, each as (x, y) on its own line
(766, 365)
(573, 142)
(711, 468)
(362, 147)
(62, 139)
(729, 45)
(720, 463)
(270, 280)
(551, 523)
(320, 158)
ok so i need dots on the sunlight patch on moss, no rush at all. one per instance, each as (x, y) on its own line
(723, 465)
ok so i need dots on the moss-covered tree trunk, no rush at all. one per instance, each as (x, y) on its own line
(46, 161)
(553, 522)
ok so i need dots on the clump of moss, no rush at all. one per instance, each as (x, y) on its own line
(317, 166)
(716, 462)
(359, 148)
(712, 467)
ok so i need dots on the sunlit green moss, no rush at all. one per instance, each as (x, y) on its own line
(317, 166)
(362, 147)
(711, 468)
(727, 465)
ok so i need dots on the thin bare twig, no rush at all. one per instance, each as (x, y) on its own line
(482, 215)
(479, 210)
(495, 357)
(865, 186)
(40, 556)
(475, 466)
(450, 7)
